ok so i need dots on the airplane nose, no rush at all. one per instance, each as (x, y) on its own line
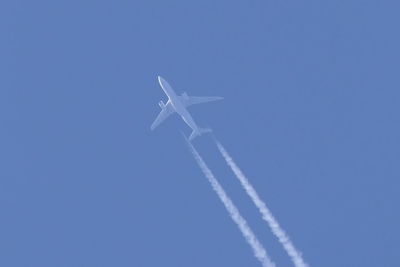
(161, 80)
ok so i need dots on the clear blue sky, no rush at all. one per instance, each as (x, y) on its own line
(311, 115)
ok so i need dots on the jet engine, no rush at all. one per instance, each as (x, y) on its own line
(161, 104)
(185, 95)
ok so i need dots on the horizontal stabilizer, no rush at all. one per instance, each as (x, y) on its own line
(199, 132)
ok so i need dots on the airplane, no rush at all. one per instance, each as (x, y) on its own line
(179, 103)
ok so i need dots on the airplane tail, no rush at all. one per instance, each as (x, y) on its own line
(199, 132)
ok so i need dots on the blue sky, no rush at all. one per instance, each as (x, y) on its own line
(311, 115)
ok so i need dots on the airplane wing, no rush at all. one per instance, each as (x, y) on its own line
(165, 112)
(192, 100)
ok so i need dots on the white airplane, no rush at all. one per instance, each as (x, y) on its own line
(179, 104)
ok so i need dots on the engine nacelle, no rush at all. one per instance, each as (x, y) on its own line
(185, 95)
(161, 104)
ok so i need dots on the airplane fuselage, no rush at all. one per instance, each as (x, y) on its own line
(177, 104)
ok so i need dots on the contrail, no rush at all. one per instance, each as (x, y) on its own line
(259, 251)
(283, 238)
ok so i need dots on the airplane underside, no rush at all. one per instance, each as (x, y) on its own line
(179, 104)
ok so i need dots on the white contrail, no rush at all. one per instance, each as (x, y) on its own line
(283, 238)
(259, 251)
